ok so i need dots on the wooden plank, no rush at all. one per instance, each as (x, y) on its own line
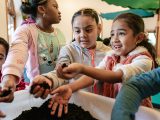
(3, 20)
(158, 34)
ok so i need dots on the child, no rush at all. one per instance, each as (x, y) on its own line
(34, 46)
(133, 92)
(85, 49)
(131, 55)
(4, 47)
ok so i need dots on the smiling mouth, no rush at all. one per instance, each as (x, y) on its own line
(117, 46)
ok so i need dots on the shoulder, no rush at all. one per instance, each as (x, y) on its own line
(141, 53)
(71, 46)
(58, 32)
(25, 33)
(138, 50)
(26, 28)
(60, 36)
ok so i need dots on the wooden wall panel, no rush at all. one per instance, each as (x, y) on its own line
(3, 20)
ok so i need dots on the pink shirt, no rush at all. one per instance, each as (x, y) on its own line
(23, 52)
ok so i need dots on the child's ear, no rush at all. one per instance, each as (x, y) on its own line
(140, 37)
(99, 29)
(41, 9)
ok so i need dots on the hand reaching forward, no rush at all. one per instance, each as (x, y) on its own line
(8, 87)
(60, 100)
(70, 71)
(41, 86)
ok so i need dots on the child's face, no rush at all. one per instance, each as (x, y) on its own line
(2, 55)
(86, 31)
(52, 13)
(123, 40)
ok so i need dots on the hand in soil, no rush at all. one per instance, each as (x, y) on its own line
(43, 113)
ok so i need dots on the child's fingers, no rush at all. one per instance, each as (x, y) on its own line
(65, 108)
(58, 90)
(54, 107)
(55, 91)
(45, 94)
(60, 109)
(58, 73)
(51, 103)
(39, 93)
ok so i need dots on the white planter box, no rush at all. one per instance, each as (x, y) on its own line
(100, 107)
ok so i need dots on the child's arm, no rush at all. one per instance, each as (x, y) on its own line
(63, 93)
(132, 93)
(81, 83)
(104, 75)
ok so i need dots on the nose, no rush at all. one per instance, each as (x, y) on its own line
(83, 33)
(115, 38)
(59, 12)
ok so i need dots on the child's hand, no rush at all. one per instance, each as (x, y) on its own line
(8, 86)
(41, 86)
(60, 100)
(59, 69)
(69, 71)
(2, 115)
(5, 97)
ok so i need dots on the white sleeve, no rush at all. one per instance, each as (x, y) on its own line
(56, 80)
(139, 65)
(102, 64)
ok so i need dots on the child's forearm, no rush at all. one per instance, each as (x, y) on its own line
(81, 83)
(103, 75)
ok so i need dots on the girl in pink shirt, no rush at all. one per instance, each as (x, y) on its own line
(26, 48)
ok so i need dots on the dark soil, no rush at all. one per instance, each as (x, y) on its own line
(64, 65)
(43, 113)
(4, 93)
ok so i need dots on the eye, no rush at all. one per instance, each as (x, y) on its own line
(112, 34)
(122, 33)
(77, 31)
(89, 30)
(55, 6)
(1, 58)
